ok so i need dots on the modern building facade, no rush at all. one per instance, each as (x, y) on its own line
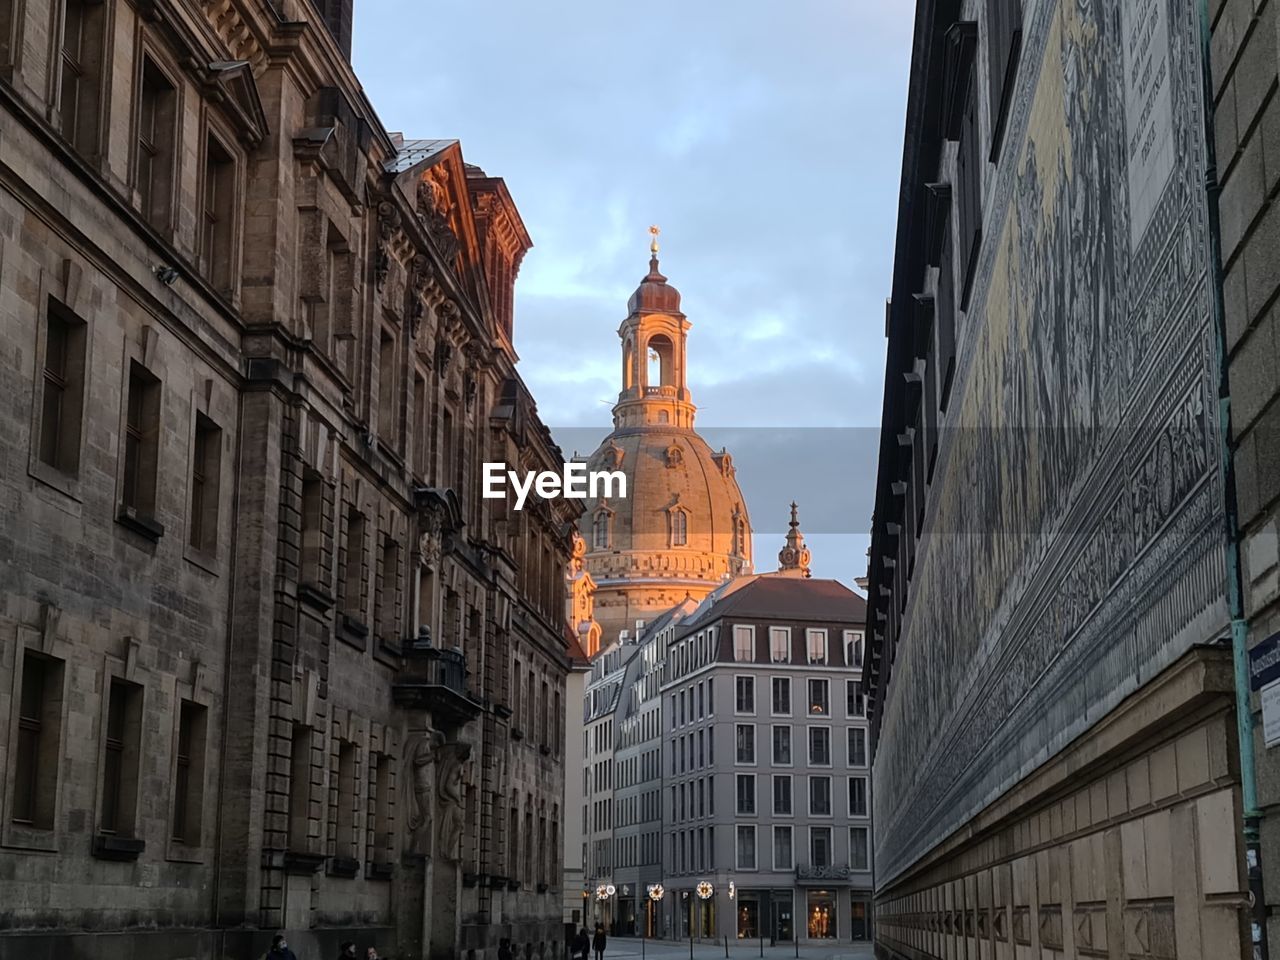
(1055, 751)
(269, 661)
(683, 526)
(766, 786)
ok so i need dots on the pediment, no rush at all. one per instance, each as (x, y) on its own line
(233, 79)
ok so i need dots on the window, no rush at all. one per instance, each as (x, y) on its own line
(188, 786)
(782, 855)
(857, 796)
(746, 743)
(859, 856)
(62, 397)
(820, 746)
(156, 112)
(744, 643)
(782, 795)
(600, 530)
(345, 818)
(782, 745)
(353, 582)
(380, 803)
(816, 643)
(855, 702)
(780, 644)
(35, 781)
(857, 747)
(853, 649)
(120, 759)
(746, 846)
(744, 694)
(300, 788)
(388, 591)
(818, 702)
(82, 68)
(820, 846)
(1004, 44)
(820, 796)
(206, 461)
(781, 690)
(679, 528)
(141, 441)
(216, 243)
(387, 396)
(969, 169)
(747, 794)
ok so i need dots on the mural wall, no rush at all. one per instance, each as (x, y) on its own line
(1073, 539)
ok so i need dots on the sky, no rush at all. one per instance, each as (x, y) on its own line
(765, 139)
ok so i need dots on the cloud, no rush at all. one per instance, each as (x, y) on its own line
(764, 138)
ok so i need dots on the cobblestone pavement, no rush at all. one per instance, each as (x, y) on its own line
(622, 948)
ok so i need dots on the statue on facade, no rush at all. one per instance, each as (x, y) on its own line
(452, 756)
(424, 758)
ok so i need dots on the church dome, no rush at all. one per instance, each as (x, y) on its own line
(682, 527)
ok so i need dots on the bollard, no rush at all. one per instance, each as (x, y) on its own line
(762, 944)
(726, 947)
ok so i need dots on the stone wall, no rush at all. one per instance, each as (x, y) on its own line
(1245, 58)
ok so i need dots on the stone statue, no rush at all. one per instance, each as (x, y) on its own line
(422, 776)
(451, 756)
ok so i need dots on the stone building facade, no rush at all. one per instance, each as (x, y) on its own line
(1245, 57)
(270, 662)
(1055, 756)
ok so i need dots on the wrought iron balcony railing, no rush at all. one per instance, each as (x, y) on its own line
(828, 873)
(435, 679)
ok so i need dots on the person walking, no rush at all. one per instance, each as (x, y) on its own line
(504, 949)
(280, 949)
(582, 945)
(347, 951)
(598, 942)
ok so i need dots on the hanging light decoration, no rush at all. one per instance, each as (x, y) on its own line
(656, 892)
(705, 890)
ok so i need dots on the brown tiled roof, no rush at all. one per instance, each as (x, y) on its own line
(791, 598)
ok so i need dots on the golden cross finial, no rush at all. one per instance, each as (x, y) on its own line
(653, 246)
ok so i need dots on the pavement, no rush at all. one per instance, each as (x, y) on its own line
(625, 948)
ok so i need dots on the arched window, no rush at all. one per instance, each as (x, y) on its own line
(679, 528)
(600, 530)
(739, 534)
(628, 364)
(661, 362)
(664, 417)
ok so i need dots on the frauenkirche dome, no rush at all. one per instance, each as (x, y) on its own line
(683, 527)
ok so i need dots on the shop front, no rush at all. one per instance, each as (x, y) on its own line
(765, 914)
(860, 915)
(820, 915)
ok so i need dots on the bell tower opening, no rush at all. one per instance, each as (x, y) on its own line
(661, 366)
(628, 364)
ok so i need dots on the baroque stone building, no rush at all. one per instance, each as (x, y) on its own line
(269, 661)
(1055, 750)
(683, 526)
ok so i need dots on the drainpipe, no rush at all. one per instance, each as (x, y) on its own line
(1235, 580)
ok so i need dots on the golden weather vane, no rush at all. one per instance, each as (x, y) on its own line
(653, 245)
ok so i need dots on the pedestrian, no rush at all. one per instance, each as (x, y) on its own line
(598, 942)
(347, 951)
(280, 949)
(582, 945)
(504, 949)
(371, 954)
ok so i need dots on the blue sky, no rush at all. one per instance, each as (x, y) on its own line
(764, 138)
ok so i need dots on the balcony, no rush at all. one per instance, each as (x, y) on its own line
(435, 680)
(833, 874)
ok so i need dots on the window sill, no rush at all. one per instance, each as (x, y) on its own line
(343, 867)
(353, 632)
(107, 847)
(379, 871)
(302, 864)
(140, 523)
(33, 839)
(67, 484)
(502, 711)
(544, 750)
(314, 595)
(180, 852)
(206, 560)
(517, 733)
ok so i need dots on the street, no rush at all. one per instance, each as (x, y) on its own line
(621, 948)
